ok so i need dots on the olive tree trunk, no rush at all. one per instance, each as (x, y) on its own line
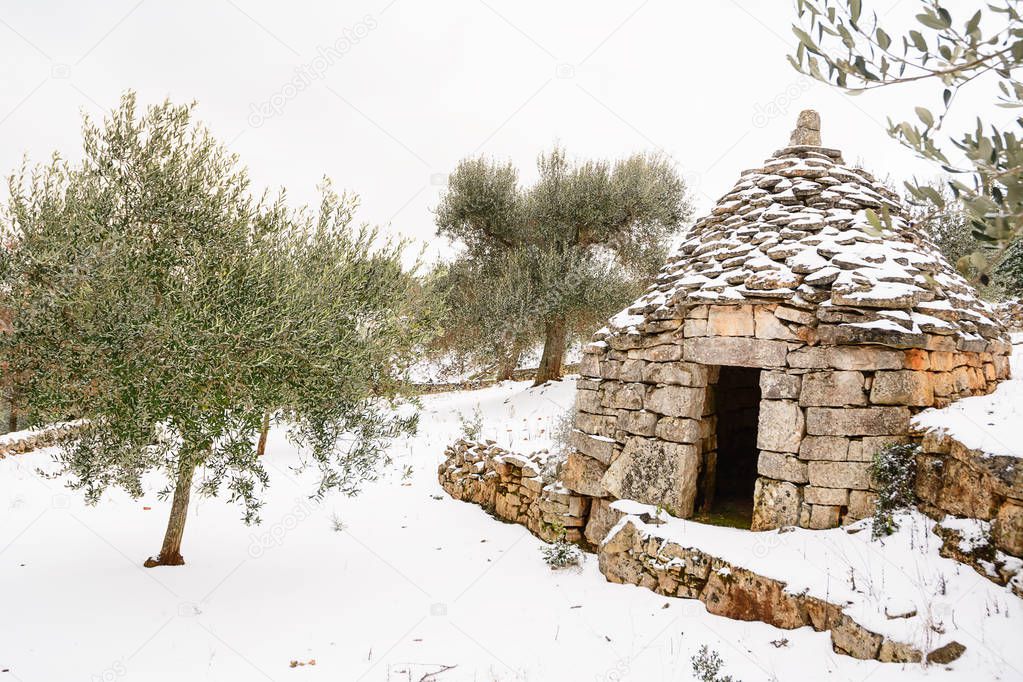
(508, 363)
(12, 416)
(170, 553)
(264, 430)
(555, 339)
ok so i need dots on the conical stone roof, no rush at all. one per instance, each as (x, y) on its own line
(795, 230)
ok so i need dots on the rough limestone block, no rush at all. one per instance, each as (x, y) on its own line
(655, 472)
(945, 361)
(852, 475)
(780, 427)
(588, 400)
(865, 449)
(808, 358)
(640, 423)
(663, 353)
(831, 448)
(676, 401)
(589, 366)
(678, 373)
(770, 327)
(730, 320)
(847, 335)
(1002, 367)
(833, 389)
(743, 595)
(781, 466)
(905, 387)
(779, 385)
(601, 520)
(849, 636)
(917, 359)
(678, 430)
(807, 130)
(582, 474)
(596, 424)
(623, 396)
(737, 351)
(1007, 529)
(943, 383)
(775, 504)
(610, 369)
(861, 358)
(898, 652)
(824, 516)
(632, 370)
(966, 492)
(857, 421)
(693, 328)
(831, 496)
(861, 504)
(796, 315)
(598, 447)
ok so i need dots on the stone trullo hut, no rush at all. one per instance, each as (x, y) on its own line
(785, 341)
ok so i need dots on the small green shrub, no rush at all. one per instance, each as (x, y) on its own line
(893, 470)
(472, 427)
(707, 666)
(561, 554)
(561, 432)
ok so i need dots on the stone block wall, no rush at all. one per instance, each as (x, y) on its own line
(953, 479)
(19, 442)
(513, 488)
(635, 556)
(646, 426)
(1011, 312)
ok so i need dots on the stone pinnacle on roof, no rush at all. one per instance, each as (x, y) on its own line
(808, 129)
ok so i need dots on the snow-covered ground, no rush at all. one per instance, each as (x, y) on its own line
(395, 584)
(899, 586)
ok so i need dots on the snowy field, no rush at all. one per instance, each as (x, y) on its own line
(395, 584)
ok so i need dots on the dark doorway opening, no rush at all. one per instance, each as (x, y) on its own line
(731, 467)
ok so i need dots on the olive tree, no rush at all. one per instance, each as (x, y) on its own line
(169, 311)
(486, 311)
(951, 231)
(584, 239)
(844, 46)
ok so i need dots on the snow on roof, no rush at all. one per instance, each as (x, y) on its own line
(797, 229)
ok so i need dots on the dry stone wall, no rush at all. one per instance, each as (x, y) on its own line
(1011, 312)
(20, 442)
(633, 556)
(647, 429)
(953, 479)
(514, 488)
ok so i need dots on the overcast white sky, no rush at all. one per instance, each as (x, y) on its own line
(394, 92)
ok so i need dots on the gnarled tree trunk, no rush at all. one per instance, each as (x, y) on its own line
(264, 430)
(170, 553)
(508, 363)
(556, 337)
